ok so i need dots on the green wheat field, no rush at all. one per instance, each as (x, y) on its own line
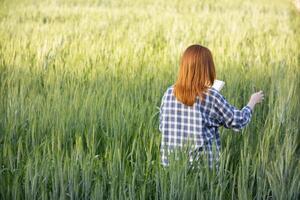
(81, 83)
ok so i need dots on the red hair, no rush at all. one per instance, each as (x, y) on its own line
(196, 74)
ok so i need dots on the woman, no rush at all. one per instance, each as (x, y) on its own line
(191, 110)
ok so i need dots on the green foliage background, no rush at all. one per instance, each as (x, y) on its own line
(81, 83)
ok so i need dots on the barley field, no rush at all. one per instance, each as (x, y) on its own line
(81, 84)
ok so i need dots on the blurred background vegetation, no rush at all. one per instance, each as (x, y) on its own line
(81, 83)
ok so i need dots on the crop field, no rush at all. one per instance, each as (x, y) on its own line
(81, 83)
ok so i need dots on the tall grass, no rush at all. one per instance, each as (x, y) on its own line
(81, 83)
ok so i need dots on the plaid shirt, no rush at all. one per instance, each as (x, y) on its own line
(197, 125)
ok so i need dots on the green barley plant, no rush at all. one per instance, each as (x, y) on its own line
(81, 83)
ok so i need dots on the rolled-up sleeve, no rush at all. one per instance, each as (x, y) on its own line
(229, 116)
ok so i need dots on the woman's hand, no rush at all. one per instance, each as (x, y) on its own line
(255, 98)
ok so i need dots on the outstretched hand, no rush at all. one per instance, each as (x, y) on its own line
(255, 98)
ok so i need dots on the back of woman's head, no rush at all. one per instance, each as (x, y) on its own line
(196, 74)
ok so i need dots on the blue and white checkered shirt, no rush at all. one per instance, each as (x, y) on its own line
(198, 124)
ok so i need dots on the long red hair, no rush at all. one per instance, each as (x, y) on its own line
(196, 74)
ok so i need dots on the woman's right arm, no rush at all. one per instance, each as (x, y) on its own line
(231, 117)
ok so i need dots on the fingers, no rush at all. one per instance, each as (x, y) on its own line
(260, 96)
(260, 92)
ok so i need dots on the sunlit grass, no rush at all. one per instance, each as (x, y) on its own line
(81, 83)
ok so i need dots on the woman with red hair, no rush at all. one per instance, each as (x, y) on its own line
(192, 110)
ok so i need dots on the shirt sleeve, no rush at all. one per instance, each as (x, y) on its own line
(229, 116)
